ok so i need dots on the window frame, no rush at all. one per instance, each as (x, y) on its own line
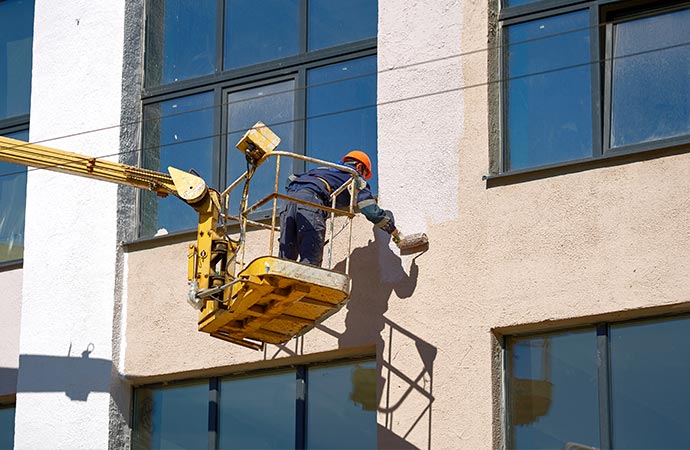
(603, 14)
(603, 360)
(301, 388)
(8, 126)
(222, 82)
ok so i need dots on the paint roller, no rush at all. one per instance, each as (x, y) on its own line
(411, 243)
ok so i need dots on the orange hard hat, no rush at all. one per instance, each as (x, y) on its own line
(362, 157)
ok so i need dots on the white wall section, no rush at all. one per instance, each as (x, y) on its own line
(69, 262)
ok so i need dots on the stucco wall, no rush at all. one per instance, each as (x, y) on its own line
(563, 250)
(10, 313)
(69, 261)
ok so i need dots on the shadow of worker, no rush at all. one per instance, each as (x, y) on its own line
(376, 273)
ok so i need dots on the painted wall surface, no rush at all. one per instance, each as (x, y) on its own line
(10, 318)
(546, 253)
(69, 262)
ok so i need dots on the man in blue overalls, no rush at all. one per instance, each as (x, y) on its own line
(303, 228)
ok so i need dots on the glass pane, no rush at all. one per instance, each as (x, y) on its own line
(171, 418)
(518, 2)
(171, 55)
(651, 79)
(7, 428)
(16, 40)
(273, 105)
(258, 31)
(12, 206)
(549, 100)
(552, 391)
(341, 406)
(341, 111)
(257, 412)
(177, 133)
(650, 368)
(337, 22)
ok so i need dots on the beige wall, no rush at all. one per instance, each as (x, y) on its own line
(10, 313)
(569, 249)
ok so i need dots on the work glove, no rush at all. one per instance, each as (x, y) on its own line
(397, 237)
(387, 224)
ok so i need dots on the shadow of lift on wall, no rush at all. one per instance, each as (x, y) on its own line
(76, 376)
(366, 324)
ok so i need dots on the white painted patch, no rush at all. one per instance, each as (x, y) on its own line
(420, 118)
(420, 128)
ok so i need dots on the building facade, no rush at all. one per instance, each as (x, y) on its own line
(540, 144)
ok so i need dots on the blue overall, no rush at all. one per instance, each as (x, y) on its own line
(303, 228)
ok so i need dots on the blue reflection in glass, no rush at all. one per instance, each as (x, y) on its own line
(16, 39)
(7, 428)
(181, 40)
(549, 101)
(259, 31)
(274, 105)
(341, 115)
(518, 2)
(339, 22)
(651, 79)
(552, 389)
(341, 406)
(12, 206)
(174, 417)
(177, 133)
(650, 368)
(257, 412)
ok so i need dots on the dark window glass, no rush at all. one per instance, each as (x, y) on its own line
(651, 79)
(16, 38)
(174, 417)
(177, 133)
(518, 2)
(261, 411)
(7, 428)
(259, 31)
(548, 122)
(341, 406)
(257, 412)
(339, 22)
(12, 206)
(552, 391)
(273, 105)
(341, 111)
(257, 40)
(650, 368)
(180, 40)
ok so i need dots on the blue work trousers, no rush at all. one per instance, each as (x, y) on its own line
(303, 229)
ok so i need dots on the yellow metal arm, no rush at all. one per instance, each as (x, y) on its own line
(26, 154)
(270, 300)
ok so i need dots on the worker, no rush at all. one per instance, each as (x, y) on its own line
(303, 228)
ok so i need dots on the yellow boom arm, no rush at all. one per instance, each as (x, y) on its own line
(269, 300)
(211, 249)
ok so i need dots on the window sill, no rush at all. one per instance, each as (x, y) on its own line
(642, 152)
(6, 266)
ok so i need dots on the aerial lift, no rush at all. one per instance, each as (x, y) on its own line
(268, 300)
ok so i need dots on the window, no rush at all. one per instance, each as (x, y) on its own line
(16, 40)
(7, 427)
(12, 206)
(321, 407)
(305, 68)
(619, 385)
(593, 79)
